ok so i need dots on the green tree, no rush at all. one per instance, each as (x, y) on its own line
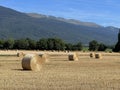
(2, 44)
(102, 47)
(42, 44)
(8, 44)
(68, 46)
(77, 46)
(21, 44)
(93, 45)
(32, 44)
(58, 44)
(117, 46)
(50, 43)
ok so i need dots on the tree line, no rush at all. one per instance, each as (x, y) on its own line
(42, 44)
(49, 44)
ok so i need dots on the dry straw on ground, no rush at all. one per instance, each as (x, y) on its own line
(92, 55)
(31, 62)
(98, 55)
(73, 57)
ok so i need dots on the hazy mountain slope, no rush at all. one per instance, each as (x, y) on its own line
(14, 24)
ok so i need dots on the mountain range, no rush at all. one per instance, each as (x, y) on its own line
(16, 25)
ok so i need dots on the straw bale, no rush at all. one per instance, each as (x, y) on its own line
(73, 57)
(92, 55)
(45, 57)
(31, 62)
(98, 55)
(20, 54)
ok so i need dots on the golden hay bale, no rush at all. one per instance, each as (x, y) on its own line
(45, 57)
(92, 55)
(31, 62)
(73, 57)
(98, 55)
(20, 54)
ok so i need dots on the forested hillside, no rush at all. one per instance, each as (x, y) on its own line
(16, 25)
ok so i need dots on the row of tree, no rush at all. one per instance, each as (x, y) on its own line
(48, 44)
(95, 46)
(42, 44)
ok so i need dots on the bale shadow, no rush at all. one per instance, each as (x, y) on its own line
(20, 70)
(59, 60)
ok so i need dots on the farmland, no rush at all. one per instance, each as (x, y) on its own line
(60, 74)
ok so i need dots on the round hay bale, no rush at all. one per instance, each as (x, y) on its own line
(20, 54)
(73, 57)
(31, 62)
(45, 57)
(98, 55)
(92, 55)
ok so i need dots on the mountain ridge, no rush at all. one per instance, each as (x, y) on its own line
(73, 21)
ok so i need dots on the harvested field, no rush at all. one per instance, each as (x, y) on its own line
(61, 74)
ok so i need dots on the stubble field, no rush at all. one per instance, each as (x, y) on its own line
(61, 74)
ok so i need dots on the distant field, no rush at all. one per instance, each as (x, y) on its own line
(61, 74)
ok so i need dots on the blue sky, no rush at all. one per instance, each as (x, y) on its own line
(103, 12)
